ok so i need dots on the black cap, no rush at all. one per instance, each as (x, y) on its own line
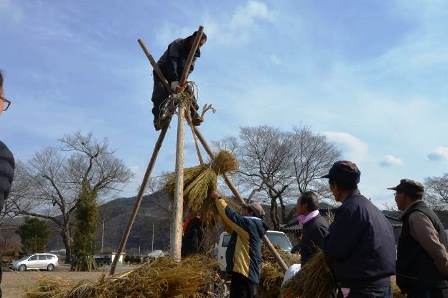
(344, 170)
(409, 186)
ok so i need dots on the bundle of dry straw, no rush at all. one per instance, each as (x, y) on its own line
(272, 274)
(164, 277)
(199, 181)
(314, 280)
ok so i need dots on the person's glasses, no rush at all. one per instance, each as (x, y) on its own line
(7, 103)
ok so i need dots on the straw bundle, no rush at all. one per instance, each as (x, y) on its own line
(315, 280)
(199, 181)
(164, 277)
(272, 274)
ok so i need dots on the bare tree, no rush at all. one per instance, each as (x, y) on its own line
(313, 157)
(49, 185)
(436, 192)
(265, 154)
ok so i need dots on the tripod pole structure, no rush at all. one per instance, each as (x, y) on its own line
(138, 200)
(237, 195)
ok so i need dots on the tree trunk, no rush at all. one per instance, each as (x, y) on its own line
(65, 234)
(274, 214)
(283, 209)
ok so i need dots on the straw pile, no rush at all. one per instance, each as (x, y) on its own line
(315, 280)
(272, 274)
(199, 181)
(192, 277)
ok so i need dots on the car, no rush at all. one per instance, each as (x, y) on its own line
(103, 260)
(45, 261)
(277, 238)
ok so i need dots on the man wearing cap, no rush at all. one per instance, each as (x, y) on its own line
(243, 254)
(360, 247)
(422, 262)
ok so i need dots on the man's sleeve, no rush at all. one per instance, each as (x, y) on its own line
(344, 235)
(423, 231)
(231, 219)
(172, 71)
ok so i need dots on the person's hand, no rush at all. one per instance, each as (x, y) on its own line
(179, 89)
(215, 195)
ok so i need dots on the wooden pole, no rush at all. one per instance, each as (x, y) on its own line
(154, 65)
(176, 222)
(138, 200)
(190, 57)
(237, 195)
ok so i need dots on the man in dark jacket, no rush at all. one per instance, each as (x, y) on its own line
(6, 161)
(360, 247)
(315, 227)
(172, 64)
(243, 254)
(422, 263)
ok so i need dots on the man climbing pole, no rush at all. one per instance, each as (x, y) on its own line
(172, 64)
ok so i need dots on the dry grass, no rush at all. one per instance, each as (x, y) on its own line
(163, 277)
(199, 181)
(314, 280)
(271, 273)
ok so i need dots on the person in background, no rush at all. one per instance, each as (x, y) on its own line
(7, 164)
(243, 254)
(192, 240)
(422, 262)
(360, 246)
(315, 227)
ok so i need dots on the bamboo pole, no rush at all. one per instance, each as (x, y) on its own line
(237, 195)
(190, 57)
(154, 65)
(176, 222)
(139, 199)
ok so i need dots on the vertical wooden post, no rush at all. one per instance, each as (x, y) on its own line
(176, 222)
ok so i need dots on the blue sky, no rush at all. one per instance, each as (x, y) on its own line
(370, 75)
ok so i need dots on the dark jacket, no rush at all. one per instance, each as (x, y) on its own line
(314, 233)
(415, 268)
(361, 244)
(172, 62)
(7, 166)
(193, 236)
(243, 253)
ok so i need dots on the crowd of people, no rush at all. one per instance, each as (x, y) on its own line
(359, 245)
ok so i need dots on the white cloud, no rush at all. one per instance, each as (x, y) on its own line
(249, 14)
(352, 147)
(391, 160)
(234, 29)
(441, 153)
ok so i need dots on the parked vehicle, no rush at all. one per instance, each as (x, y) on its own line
(277, 238)
(44, 261)
(103, 260)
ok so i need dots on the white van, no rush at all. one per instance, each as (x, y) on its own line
(44, 261)
(277, 238)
